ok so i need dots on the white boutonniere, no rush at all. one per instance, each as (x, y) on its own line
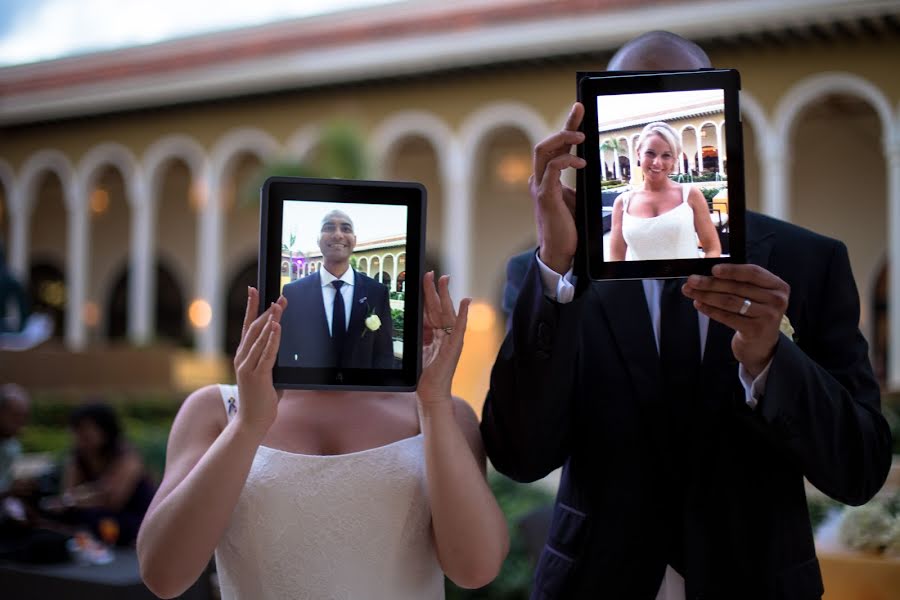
(372, 321)
(786, 328)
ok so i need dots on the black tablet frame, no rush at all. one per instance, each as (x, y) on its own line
(274, 192)
(590, 261)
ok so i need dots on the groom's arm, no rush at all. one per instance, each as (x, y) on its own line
(821, 399)
(527, 416)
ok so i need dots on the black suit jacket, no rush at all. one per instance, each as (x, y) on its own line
(306, 341)
(578, 386)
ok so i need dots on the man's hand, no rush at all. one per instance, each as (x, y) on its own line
(554, 205)
(748, 299)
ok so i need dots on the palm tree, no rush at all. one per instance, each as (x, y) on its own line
(612, 145)
(339, 154)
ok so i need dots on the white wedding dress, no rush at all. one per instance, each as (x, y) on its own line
(663, 237)
(349, 526)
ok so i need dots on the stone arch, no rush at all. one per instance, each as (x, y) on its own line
(115, 155)
(497, 128)
(303, 141)
(35, 166)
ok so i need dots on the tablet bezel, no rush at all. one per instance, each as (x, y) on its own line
(590, 260)
(274, 192)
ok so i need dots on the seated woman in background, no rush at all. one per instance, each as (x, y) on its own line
(104, 478)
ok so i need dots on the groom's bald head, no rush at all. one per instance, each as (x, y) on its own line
(659, 51)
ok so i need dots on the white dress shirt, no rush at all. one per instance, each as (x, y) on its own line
(328, 293)
(561, 288)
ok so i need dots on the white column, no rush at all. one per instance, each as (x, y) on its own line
(893, 314)
(141, 280)
(775, 165)
(699, 151)
(77, 269)
(617, 168)
(456, 237)
(602, 165)
(20, 218)
(632, 164)
(209, 267)
(720, 149)
(394, 280)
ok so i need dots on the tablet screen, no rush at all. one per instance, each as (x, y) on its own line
(346, 256)
(663, 190)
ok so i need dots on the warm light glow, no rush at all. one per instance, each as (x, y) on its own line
(91, 314)
(514, 169)
(200, 314)
(482, 316)
(99, 201)
(197, 195)
(52, 293)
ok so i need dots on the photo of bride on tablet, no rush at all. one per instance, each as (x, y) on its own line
(663, 160)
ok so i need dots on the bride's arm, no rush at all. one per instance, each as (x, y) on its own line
(207, 463)
(470, 530)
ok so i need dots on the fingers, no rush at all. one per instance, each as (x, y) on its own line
(253, 332)
(432, 302)
(252, 308)
(573, 121)
(753, 274)
(448, 314)
(270, 351)
(559, 143)
(768, 295)
(260, 342)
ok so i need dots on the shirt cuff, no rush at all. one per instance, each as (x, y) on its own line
(754, 389)
(556, 287)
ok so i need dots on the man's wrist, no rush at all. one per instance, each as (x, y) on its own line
(559, 263)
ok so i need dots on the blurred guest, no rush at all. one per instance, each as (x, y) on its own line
(14, 405)
(22, 538)
(105, 484)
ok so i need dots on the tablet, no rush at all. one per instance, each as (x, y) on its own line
(662, 194)
(348, 257)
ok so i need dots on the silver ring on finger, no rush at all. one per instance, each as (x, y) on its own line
(448, 330)
(745, 307)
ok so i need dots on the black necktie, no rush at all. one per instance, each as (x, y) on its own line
(679, 355)
(338, 322)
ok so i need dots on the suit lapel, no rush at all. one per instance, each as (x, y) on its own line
(317, 301)
(629, 320)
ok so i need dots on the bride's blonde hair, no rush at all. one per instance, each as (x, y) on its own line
(665, 131)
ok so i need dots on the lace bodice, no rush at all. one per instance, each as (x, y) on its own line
(663, 237)
(350, 526)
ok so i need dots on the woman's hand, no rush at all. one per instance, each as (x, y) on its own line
(253, 364)
(444, 331)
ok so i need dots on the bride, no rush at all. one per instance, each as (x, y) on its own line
(326, 494)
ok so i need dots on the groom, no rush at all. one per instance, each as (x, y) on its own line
(684, 418)
(336, 317)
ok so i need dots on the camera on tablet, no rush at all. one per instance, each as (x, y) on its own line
(662, 194)
(348, 257)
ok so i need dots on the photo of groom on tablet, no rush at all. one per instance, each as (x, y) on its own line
(346, 255)
(338, 315)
